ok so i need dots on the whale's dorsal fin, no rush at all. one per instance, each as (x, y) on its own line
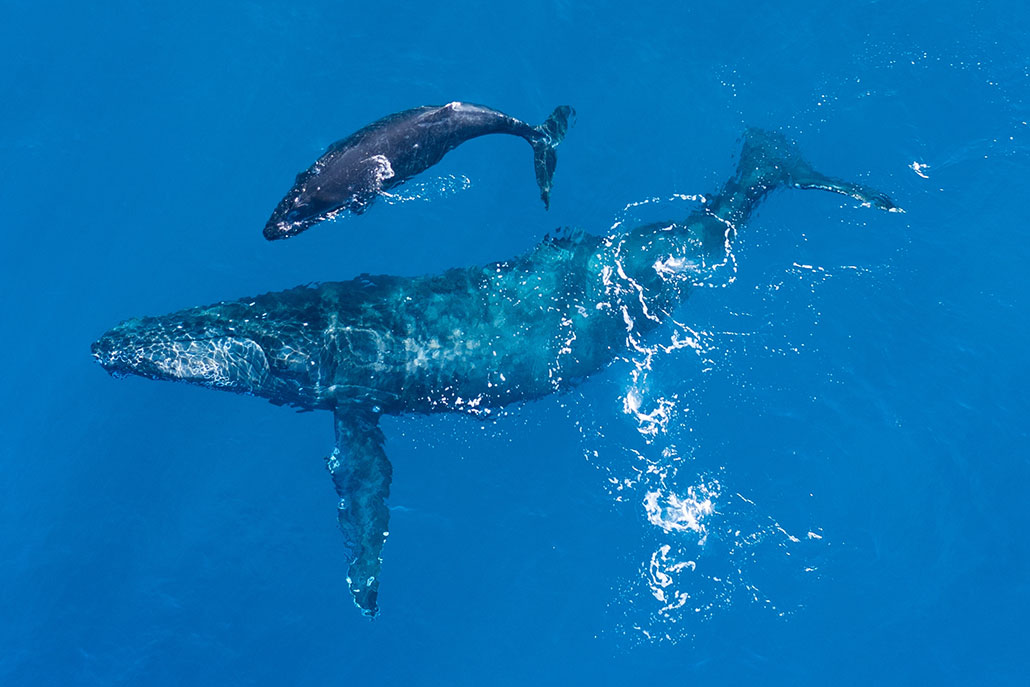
(361, 473)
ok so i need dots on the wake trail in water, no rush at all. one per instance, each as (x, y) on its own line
(427, 190)
(707, 545)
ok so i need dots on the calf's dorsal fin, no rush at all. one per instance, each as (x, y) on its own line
(361, 474)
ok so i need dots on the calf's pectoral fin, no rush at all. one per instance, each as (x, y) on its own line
(361, 474)
(372, 176)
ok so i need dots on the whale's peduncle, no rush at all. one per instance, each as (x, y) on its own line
(659, 264)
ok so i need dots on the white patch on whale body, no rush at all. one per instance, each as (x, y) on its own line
(384, 170)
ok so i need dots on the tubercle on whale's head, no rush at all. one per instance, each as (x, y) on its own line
(277, 230)
(296, 221)
(291, 217)
(177, 348)
(297, 211)
(294, 215)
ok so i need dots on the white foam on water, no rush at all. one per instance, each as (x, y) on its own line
(707, 546)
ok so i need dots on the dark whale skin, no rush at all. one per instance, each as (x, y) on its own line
(388, 152)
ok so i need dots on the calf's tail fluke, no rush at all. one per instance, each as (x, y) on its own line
(547, 137)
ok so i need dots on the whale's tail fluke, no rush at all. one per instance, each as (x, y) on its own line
(769, 161)
(547, 137)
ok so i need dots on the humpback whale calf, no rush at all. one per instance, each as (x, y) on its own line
(468, 340)
(395, 148)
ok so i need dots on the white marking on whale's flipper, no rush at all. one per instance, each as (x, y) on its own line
(381, 167)
(377, 171)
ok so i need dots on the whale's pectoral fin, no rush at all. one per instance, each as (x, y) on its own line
(359, 204)
(372, 176)
(361, 473)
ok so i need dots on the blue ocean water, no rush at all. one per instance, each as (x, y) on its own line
(826, 485)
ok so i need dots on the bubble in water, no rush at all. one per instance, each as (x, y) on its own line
(430, 189)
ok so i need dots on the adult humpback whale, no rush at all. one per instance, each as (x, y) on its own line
(395, 148)
(468, 340)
